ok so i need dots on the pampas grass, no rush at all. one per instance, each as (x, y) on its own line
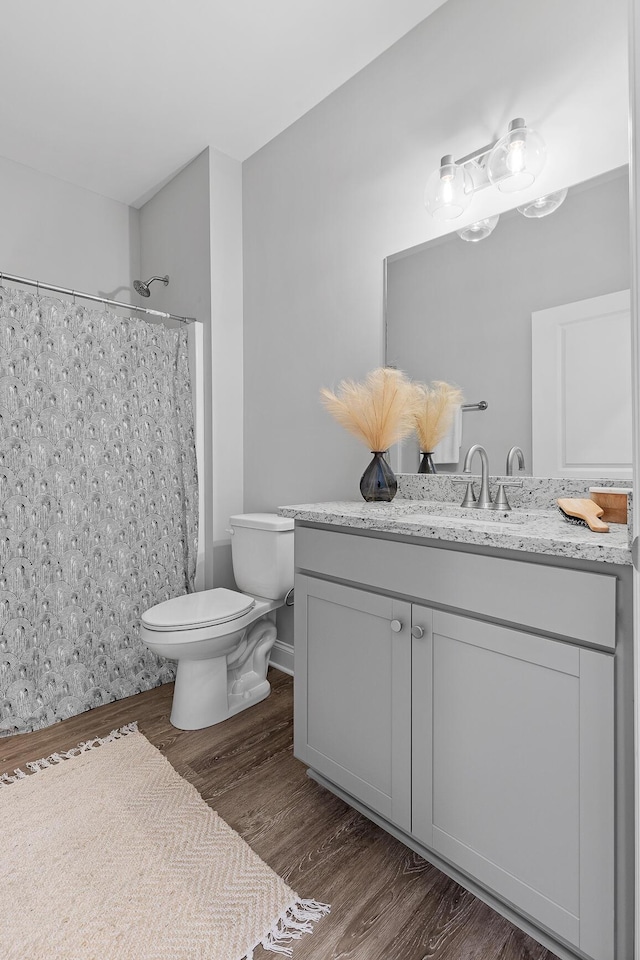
(379, 412)
(435, 405)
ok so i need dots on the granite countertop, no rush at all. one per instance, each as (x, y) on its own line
(541, 531)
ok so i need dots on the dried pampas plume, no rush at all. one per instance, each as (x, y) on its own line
(435, 406)
(379, 412)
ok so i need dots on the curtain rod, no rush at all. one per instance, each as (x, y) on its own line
(89, 296)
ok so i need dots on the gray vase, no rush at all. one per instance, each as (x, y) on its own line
(378, 482)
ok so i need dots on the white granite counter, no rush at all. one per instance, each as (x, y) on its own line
(532, 531)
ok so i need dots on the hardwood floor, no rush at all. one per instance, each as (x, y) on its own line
(387, 903)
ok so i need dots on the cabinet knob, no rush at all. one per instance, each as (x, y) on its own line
(417, 632)
(396, 626)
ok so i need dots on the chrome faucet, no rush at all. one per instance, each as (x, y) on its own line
(484, 501)
(511, 456)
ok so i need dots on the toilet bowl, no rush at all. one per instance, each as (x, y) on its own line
(221, 639)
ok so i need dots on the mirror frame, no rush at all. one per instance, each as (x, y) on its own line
(634, 222)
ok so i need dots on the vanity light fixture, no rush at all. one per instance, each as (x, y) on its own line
(479, 230)
(511, 164)
(543, 206)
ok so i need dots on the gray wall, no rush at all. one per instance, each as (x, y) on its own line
(326, 201)
(53, 231)
(225, 177)
(192, 230)
(461, 312)
(174, 234)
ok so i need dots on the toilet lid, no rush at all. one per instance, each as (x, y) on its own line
(202, 609)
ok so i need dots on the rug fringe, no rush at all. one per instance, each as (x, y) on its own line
(296, 920)
(36, 765)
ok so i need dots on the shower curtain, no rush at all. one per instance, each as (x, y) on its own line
(98, 503)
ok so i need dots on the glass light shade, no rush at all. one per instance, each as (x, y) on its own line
(478, 230)
(517, 159)
(449, 190)
(543, 206)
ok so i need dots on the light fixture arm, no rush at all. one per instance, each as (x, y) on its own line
(477, 155)
(475, 164)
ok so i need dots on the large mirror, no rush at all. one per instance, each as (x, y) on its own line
(462, 312)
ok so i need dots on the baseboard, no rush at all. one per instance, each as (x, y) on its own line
(282, 657)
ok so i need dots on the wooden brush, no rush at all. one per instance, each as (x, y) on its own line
(584, 512)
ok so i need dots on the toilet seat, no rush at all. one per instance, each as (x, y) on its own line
(193, 611)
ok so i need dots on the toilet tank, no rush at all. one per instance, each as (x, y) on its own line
(262, 554)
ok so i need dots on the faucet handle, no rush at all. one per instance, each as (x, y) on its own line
(501, 502)
(469, 498)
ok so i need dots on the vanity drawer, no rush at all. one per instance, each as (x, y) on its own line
(576, 604)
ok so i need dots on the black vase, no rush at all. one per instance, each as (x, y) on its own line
(378, 482)
(426, 464)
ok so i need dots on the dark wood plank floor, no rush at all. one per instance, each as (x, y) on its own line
(387, 903)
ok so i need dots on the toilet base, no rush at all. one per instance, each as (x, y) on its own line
(209, 691)
(195, 709)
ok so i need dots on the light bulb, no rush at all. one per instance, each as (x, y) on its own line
(517, 159)
(449, 190)
(516, 156)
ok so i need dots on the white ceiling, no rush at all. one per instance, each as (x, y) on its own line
(117, 96)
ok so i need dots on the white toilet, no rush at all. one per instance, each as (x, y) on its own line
(222, 638)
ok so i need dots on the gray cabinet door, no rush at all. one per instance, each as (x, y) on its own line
(513, 769)
(352, 681)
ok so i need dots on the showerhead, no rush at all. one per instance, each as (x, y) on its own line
(142, 286)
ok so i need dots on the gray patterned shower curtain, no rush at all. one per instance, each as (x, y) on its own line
(98, 503)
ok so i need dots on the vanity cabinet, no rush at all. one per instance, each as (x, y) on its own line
(486, 741)
(513, 769)
(356, 728)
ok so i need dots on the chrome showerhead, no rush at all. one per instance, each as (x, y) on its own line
(142, 286)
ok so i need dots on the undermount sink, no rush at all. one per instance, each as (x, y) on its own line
(467, 514)
(433, 512)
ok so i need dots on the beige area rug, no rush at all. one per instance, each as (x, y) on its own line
(106, 853)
